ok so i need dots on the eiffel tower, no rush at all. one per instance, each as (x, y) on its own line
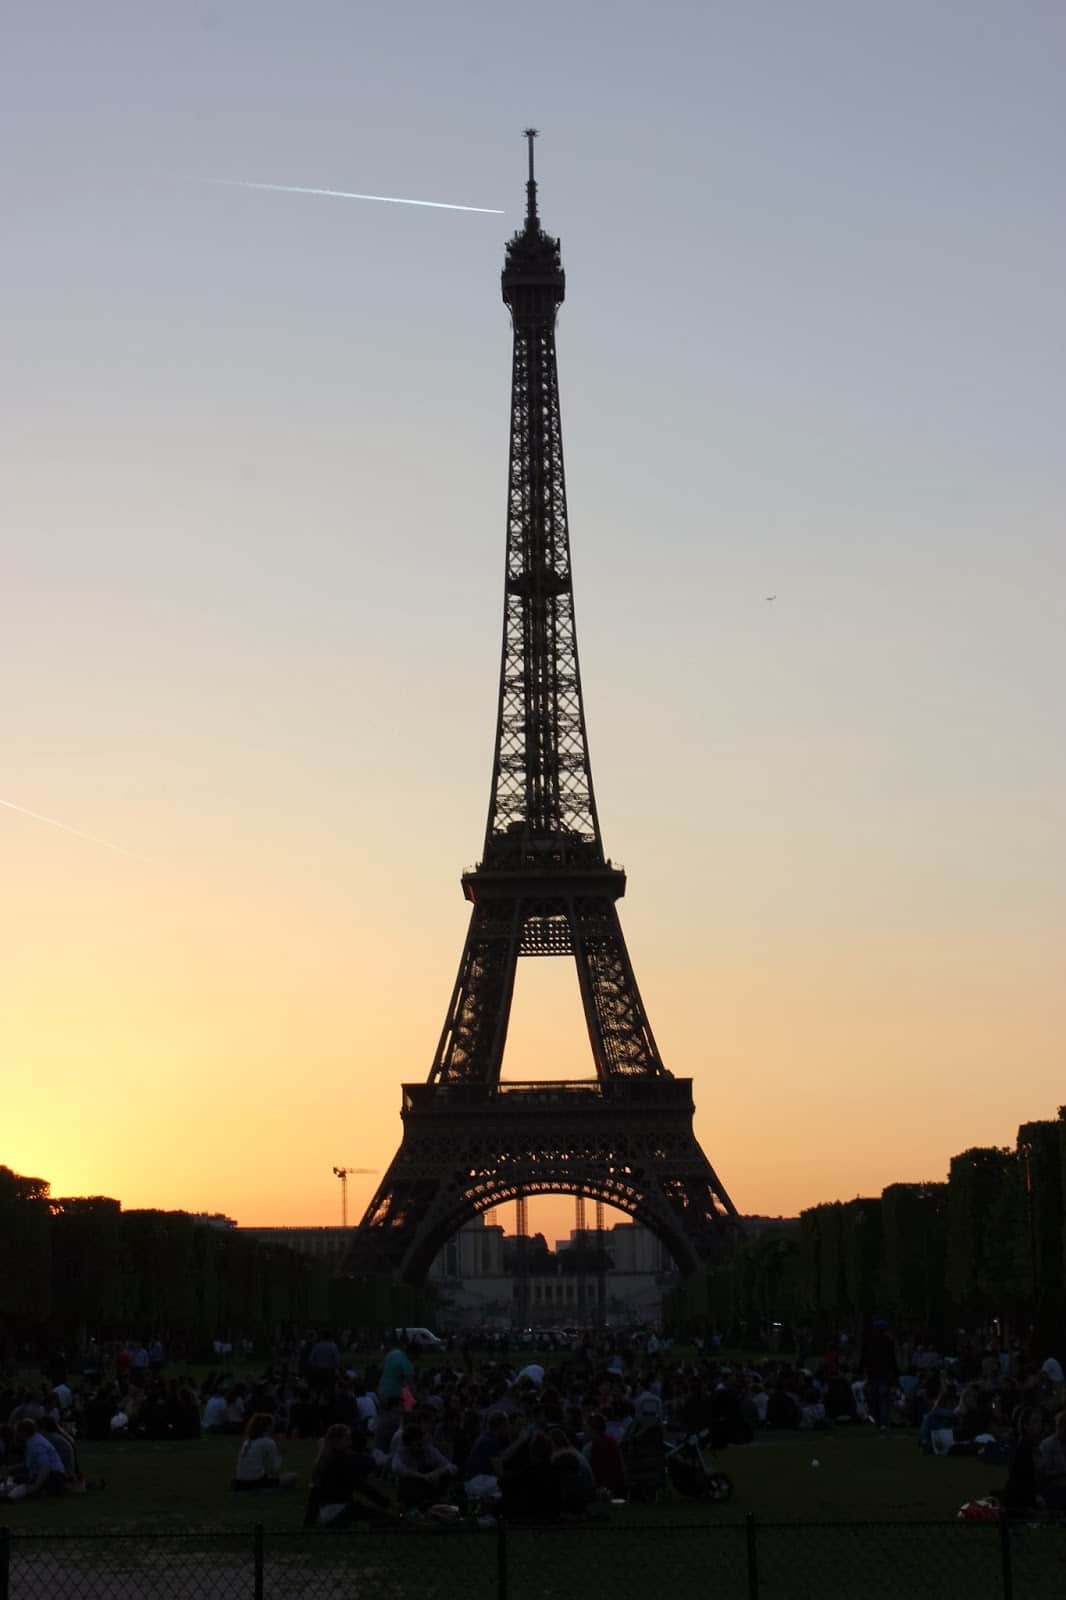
(543, 888)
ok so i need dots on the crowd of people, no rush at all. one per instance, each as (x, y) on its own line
(509, 1434)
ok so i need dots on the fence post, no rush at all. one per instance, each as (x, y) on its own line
(5, 1563)
(501, 1560)
(753, 1565)
(257, 1552)
(1005, 1557)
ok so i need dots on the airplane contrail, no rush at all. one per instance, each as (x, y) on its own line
(91, 838)
(343, 194)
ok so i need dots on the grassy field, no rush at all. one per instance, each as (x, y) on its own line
(861, 1476)
(873, 1521)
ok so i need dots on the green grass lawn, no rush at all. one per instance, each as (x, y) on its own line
(861, 1476)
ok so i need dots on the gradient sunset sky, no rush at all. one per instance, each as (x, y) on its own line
(253, 474)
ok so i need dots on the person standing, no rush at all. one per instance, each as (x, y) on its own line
(325, 1362)
(396, 1374)
(604, 1456)
(878, 1362)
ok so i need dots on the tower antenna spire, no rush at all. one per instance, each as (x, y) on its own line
(532, 220)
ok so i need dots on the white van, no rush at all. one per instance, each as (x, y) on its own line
(421, 1338)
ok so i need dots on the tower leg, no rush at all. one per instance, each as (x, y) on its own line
(601, 1268)
(628, 1144)
(582, 1245)
(521, 1212)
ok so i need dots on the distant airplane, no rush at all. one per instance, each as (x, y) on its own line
(771, 597)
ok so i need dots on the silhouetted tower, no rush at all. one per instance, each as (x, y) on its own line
(543, 887)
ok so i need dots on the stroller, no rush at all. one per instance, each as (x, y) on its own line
(689, 1473)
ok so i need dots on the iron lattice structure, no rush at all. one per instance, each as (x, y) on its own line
(544, 887)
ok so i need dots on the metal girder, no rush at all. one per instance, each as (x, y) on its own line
(505, 926)
(460, 1157)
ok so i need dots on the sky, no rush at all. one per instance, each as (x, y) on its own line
(252, 494)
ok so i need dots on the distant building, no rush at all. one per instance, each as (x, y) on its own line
(479, 1281)
(322, 1243)
(757, 1225)
(479, 1278)
(476, 1251)
(632, 1249)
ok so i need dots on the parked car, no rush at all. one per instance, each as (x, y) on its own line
(420, 1338)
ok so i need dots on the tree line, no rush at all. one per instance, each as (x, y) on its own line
(986, 1246)
(72, 1268)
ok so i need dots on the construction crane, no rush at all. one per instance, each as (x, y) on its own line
(342, 1173)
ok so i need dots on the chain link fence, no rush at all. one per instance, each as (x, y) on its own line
(125, 1566)
(713, 1561)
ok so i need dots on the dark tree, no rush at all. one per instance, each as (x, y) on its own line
(914, 1219)
(989, 1259)
(1040, 1156)
(863, 1239)
(86, 1249)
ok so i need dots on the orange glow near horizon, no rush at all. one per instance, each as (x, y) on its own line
(202, 1055)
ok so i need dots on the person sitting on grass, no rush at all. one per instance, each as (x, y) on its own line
(65, 1448)
(839, 1400)
(530, 1488)
(97, 1413)
(973, 1416)
(644, 1451)
(183, 1412)
(480, 1479)
(909, 1397)
(28, 1404)
(812, 1407)
(1019, 1493)
(234, 1418)
(419, 1468)
(259, 1459)
(214, 1414)
(42, 1465)
(366, 1406)
(1050, 1466)
(577, 1489)
(341, 1487)
(302, 1414)
(387, 1427)
(783, 1409)
(465, 1427)
(939, 1419)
